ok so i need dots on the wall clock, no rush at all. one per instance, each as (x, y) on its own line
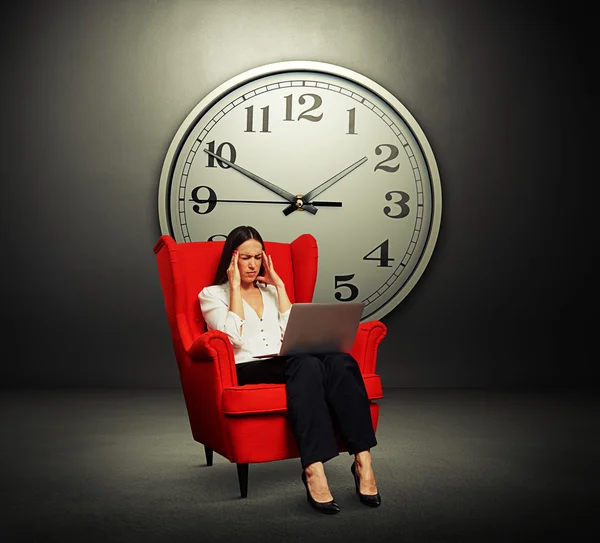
(303, 146)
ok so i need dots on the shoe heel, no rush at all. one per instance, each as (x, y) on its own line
(356, 481)
(329, 508)
(370, 500)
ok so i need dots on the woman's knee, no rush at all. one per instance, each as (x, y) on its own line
(305, 365)
(342, 361)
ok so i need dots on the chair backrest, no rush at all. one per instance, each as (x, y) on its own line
(186, 268)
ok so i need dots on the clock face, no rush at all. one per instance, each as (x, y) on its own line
(300, 147)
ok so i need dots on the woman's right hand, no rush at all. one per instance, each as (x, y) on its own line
(233, 271)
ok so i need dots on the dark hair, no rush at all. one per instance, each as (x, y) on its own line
(235, 238)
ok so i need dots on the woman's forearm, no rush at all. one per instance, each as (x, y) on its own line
(235, 302)
(282, 296)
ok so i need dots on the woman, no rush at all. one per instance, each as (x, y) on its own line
(248, 301)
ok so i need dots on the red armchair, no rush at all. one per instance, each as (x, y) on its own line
(245, 424)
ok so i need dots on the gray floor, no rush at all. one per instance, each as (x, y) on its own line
(451, 464)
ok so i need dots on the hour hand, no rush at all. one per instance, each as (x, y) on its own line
(296, 202)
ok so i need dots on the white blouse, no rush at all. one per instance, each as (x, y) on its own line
(256, 336)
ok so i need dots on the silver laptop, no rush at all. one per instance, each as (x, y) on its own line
(320, 327)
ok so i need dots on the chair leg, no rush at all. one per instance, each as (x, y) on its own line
(242, 470)
(209, 455)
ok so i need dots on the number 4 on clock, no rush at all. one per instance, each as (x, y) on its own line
(383, 258)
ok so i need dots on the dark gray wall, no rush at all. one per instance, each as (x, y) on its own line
(94, 91)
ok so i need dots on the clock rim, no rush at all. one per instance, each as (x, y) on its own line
(275, 68)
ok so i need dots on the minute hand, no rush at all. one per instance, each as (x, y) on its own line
(324, 186)
(296, 202)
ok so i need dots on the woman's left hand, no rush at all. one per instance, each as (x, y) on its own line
(270, 277)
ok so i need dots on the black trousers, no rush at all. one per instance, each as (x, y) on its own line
(324, 392)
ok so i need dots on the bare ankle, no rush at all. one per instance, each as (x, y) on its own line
(315, 469)
(363, 459)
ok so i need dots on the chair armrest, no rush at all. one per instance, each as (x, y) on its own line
(366, 343)
(212, 346)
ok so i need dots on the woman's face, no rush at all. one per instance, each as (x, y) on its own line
(249, 260)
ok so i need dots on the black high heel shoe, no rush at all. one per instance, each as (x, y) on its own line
(372, 500)
(329, 508)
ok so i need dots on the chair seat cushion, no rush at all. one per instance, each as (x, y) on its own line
(270, 398)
